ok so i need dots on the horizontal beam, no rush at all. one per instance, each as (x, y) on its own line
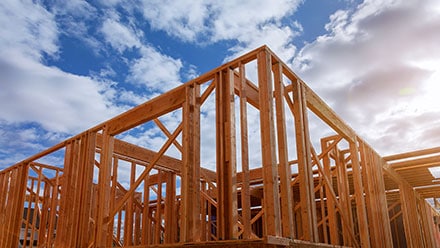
(323, 111)
(431, 191)
(417, 163)
(147, 111)
(412, 154)
(145, 155)
(131, 151)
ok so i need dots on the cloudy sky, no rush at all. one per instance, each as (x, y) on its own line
(68, 65)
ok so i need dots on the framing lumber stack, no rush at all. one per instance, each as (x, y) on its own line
(302, 191)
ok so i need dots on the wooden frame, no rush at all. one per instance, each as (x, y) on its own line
(302, 191)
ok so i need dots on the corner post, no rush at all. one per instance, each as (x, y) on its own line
(190, 229)
(227, 214)
(268, 147)
(308, 205)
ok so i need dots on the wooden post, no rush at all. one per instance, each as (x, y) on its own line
(137, 223)
(190, 214)
(271, 202)
(245, 190)
(359, 195)
(62, 240)
(4, 176)
(146, 227)
(48, 187)
(426, 220)
(103, 229)
(227, 214)
(113, 192)
(128, 222)
(12, 206)
(72, 195)
(158, 213)
(85, 204)
(73, 227)
(323, 217)
(36, 201)
(382, 200)
(7, 234)
(410, 216)
(344, 197)
(308, 205)
(380, 231)
(15, 182)
(331, 210)
(284, 170)
(170, 206)
(54, 202)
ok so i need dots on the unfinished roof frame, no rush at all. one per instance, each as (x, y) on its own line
(342, 193)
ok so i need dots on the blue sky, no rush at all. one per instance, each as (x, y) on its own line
(68, 65)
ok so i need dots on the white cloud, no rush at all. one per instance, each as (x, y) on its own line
(33, 92)
(158, 72)
(191, 72)
(73, 19)
(119, 36)
(249, 24)
(212, 21)
(28, 134)
(59, 101)
(132, 98)
(372, 69)
(232, 19)
(183, 19)
(19, 141)
(75, 8)
(153, 69)
(279, 39)
(25, 138)
(27, 27)
(150, 138)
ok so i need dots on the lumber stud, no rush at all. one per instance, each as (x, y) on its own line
(234, 161)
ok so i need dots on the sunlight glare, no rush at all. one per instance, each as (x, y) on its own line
(431, 98)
